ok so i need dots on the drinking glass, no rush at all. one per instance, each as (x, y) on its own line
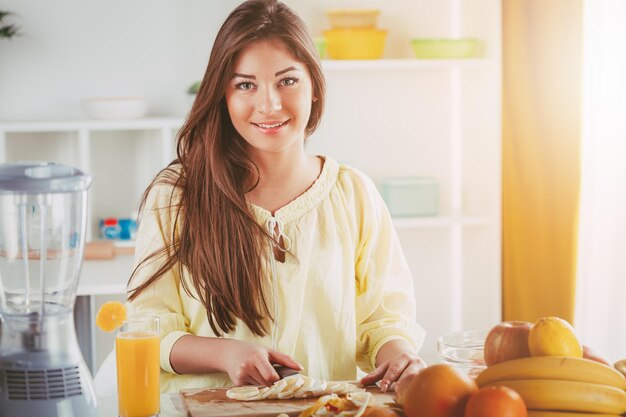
(137, 350)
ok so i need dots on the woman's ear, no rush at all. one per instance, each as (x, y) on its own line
(314, 99)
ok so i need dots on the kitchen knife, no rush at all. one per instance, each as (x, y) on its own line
(284, 371)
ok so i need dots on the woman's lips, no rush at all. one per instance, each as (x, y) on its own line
(270, 127)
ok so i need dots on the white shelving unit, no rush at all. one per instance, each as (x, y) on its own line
(121, 154)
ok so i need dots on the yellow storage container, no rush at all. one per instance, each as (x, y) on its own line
(355, 43)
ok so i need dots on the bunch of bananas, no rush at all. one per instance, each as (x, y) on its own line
(559, 386)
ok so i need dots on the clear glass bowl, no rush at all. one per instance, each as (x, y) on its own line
(463, 350)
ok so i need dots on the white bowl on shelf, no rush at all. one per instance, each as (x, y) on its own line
(115, 107)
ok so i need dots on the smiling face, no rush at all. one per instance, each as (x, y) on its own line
(269, 97)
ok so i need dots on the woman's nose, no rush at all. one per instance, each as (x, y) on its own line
(268, 101)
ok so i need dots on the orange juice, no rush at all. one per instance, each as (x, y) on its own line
(138, 373)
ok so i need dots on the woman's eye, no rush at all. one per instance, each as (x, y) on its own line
(246, 85)
(288, 81)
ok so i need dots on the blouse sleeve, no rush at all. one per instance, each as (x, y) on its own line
(385, 301)
(162, 298)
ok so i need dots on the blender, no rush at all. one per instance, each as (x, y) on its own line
(43, 214)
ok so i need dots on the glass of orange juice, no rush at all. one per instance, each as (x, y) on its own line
(137, 351)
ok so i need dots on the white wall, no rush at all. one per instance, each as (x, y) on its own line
(71, 49)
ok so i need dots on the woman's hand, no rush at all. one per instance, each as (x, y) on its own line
(245, 363)
(396, 363)
(251, 364)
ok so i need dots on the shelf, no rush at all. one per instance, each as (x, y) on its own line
(105, 276)
(92, 125)
(439, 221)
(399, 64)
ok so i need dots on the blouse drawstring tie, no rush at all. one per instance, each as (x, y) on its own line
(275, 229)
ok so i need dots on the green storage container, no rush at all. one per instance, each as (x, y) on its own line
(411, 196)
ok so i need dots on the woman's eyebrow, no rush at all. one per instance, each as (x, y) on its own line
(252, 77)
(292, 68)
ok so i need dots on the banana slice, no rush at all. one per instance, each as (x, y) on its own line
(246, 393)
(294, 386)
(342, 388)
(332, 386)
(246, 389)
(311, 389)
(273, 391)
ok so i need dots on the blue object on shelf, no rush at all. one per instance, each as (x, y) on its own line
(109, 228)
(128, 229)
(117, 229)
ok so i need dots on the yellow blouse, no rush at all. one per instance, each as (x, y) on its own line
(345, 292)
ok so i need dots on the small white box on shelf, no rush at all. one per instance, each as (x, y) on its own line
(411, 196)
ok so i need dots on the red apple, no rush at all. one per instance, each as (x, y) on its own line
(506, 341)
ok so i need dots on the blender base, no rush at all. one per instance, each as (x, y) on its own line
(42, 372)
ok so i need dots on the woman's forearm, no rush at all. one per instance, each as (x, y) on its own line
(244, 362)
(197, 355)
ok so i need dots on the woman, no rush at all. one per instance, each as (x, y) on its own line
(254, 253)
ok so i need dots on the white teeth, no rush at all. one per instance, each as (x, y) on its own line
(264, 126)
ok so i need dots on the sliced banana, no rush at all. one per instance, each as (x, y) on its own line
(242, 393)
(339, 388)
(246, 389)
(295, 386)
(312, 389)
(273, 391)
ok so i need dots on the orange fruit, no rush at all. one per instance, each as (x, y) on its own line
(110, 316)
(436, 391)
(553, 336)
(496, 401)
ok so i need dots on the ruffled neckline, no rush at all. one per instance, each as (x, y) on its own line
(306, 201)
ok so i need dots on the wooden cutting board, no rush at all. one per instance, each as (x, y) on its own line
(214, 403)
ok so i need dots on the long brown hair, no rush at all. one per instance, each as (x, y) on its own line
(215, 235)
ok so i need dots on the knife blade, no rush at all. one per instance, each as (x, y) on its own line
(284, 371)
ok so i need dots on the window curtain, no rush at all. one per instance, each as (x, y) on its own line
(542, 66)
(601, 296)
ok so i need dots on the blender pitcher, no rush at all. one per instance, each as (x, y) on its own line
(43, 212)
